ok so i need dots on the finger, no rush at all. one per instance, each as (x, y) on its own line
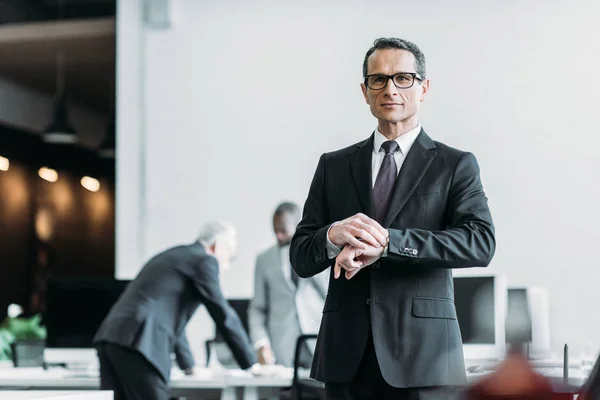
(354, 242)
(371, 222)
(347, 258)
(350, 264)
(359, 232)
(337, 270)
(350, 269)
(376, 233)
(376, 238)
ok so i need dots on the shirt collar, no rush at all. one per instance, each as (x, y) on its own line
(405, 141)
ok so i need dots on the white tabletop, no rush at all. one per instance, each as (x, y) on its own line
(56, 395)
(62, 378)
(58, 378)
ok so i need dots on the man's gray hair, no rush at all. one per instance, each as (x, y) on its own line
(213, 230)
(397, 44)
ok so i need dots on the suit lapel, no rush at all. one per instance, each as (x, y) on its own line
(413, 169)
(361, 162)
(279, 268)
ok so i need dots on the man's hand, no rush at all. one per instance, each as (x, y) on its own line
(358, 231)
(353, 259)
(265, 355)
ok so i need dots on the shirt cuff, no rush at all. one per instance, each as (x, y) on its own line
(332, 249)
(260, 343)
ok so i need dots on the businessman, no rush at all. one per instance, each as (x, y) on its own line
(392, 215)
(283, 306)
(147, 324)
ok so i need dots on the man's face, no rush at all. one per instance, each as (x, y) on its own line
(390, 104)
(224, 251)
(284, 226)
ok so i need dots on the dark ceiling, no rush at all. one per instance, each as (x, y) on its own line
(20, 11)
(29, 59)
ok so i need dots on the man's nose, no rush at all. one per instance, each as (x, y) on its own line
(390, 88)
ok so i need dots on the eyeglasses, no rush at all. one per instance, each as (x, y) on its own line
(402, 80)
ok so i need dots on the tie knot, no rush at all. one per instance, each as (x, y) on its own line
(390, 146)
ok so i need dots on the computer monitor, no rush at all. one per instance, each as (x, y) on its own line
(480, 300)
(241, 308)
(218, 354)
(528, 320)
(75, 308)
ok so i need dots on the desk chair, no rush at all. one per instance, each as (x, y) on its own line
(305, 388)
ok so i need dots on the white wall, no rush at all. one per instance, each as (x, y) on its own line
(32, 110)
(237, 100)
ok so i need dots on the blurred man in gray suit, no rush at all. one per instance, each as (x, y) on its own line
(284, 307)
(148, 322)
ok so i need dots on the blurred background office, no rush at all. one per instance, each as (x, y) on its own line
(177, 112)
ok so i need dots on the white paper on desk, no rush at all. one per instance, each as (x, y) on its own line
(177, 373)
(278, 371)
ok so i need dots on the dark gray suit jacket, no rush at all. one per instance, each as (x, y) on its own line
(438, 219)
(151, 315)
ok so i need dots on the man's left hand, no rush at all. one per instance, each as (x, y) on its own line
(353, 259)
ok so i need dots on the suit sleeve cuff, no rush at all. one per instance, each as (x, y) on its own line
(186, 364)
(332, 249)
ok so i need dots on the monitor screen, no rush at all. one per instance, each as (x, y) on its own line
(474, 299)
(76, 307)
(241, 308)
(518, 317)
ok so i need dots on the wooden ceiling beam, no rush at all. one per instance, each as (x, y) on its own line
(57, 31)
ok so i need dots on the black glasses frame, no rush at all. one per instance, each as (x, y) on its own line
(413, 74)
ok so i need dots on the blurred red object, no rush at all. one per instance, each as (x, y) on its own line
(515, 379)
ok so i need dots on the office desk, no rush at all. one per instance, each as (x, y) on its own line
(224, 385)
(56, 395)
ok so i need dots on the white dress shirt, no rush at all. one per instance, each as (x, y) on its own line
(284, 254)
(405, 142)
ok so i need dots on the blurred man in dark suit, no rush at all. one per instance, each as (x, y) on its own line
(148, 322)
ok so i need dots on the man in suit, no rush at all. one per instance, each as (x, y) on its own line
(395, 212)
(283, 306)
(147, 323)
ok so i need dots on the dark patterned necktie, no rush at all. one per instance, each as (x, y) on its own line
(386, 177)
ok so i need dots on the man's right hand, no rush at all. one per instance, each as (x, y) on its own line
(358, 231)
(265, 355)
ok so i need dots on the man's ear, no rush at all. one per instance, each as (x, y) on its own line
(424, 89)
(363, 87)
(213, 247)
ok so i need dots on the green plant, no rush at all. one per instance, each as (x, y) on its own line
(16, 329)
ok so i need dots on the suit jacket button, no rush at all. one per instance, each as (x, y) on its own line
(319, 258)
(376, 265)
(415, 252)
(368, 301)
